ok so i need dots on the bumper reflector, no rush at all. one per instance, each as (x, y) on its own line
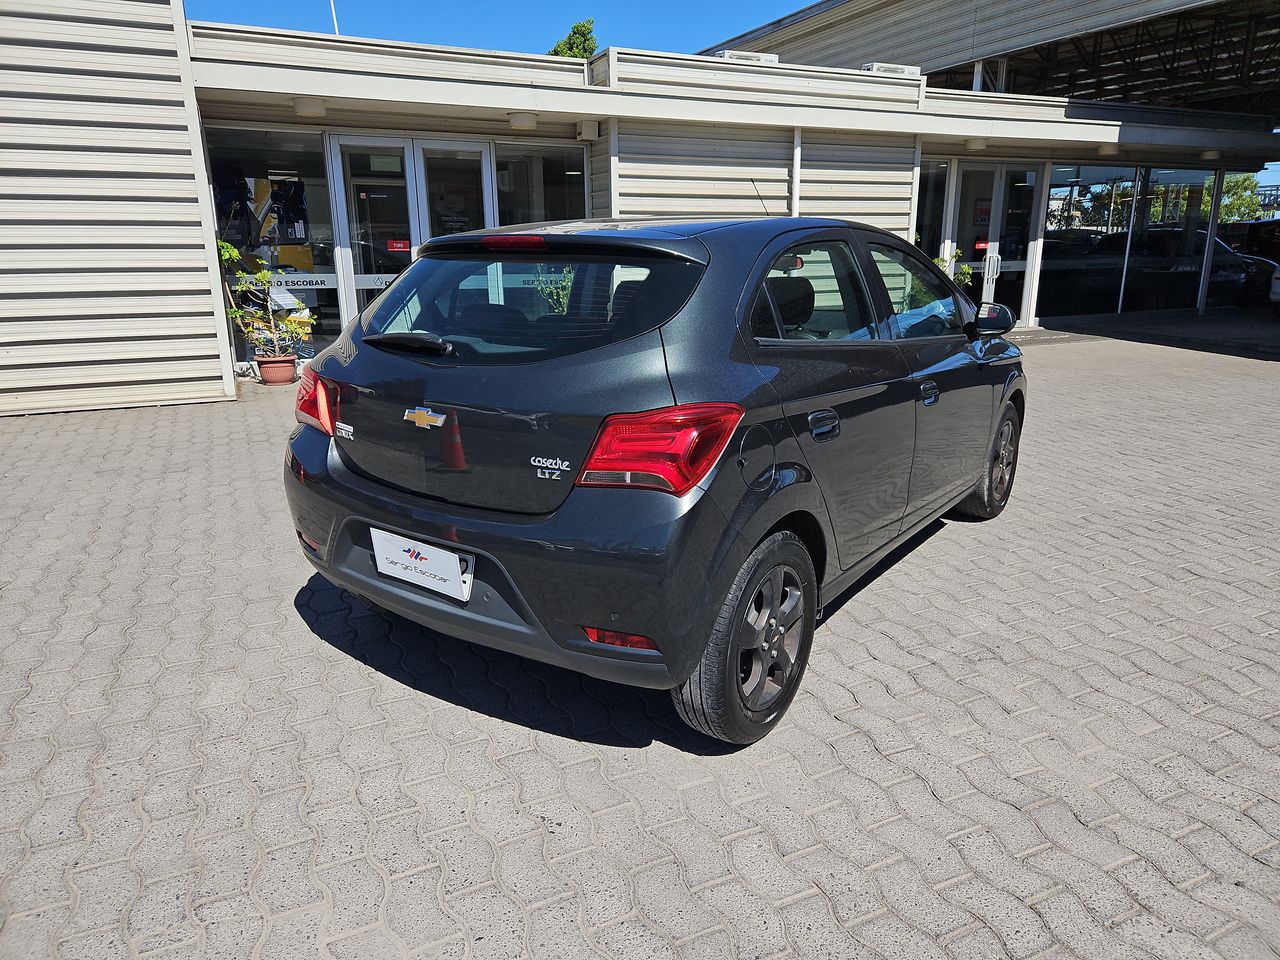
(616, 638)
(309, 543)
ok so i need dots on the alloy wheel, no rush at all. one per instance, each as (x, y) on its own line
(769, 637)
(1003, 462)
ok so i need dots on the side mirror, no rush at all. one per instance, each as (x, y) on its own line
(993, 320)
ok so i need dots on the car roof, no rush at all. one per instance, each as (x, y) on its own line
(658, 228)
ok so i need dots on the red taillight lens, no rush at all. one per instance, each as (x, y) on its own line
(515, 241)
(616, 638)
(314, 406)
(671, 449)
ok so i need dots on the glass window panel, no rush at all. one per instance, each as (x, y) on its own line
(930, 206)
(271, 199)
(1086, 234)
(1166, 251)
(539, 183)
(455, 190)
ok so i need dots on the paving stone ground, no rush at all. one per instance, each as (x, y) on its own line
(1054, 734)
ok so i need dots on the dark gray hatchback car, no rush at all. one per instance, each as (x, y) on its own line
(651, 451)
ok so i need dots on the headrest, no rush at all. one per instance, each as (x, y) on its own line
(794, 297)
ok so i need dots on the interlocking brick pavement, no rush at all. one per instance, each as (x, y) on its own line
(1054, 734)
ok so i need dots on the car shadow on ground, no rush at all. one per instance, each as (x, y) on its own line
(511, 688)
(882, 566)
(493, 682)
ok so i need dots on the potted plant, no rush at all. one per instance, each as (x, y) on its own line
(273, 330)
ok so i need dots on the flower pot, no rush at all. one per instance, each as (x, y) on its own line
(277, 370)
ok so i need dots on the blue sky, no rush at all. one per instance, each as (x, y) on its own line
(678, 25)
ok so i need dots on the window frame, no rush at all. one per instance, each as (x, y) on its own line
(757, 288)
(966, 307)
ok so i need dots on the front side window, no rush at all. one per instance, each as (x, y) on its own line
(818, 295)
(922, 305)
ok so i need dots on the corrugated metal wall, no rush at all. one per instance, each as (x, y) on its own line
(936, 34)
(598, 163)
(704, 170)
(858, 177)
(106, 293)
(667, 169)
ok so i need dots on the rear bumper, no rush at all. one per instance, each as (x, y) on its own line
(635, 561)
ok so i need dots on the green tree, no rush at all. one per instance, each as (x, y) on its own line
(1239, 199)
(581, 41)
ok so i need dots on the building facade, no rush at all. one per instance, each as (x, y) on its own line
(132, 140)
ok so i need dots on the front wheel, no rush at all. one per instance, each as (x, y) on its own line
(991, 494)
(758, 647)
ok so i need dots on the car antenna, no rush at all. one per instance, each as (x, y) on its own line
(760, 198)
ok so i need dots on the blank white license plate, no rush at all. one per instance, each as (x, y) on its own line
(424, 565)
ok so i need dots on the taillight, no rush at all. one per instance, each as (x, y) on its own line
(314, 405)
(671, 449)
(617, 638)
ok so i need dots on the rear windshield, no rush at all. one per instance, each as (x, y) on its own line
(503, 308)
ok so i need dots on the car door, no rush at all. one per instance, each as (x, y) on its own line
(954, 389)
(845, 390)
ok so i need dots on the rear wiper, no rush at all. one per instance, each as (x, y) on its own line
(420, 340)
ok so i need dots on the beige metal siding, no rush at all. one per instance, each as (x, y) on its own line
(106, 293)
(326, 54)
(938, 34)
(858, 177)
(598, 169)
(693, 77)
(669, 169)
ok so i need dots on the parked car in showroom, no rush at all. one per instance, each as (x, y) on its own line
(651, 451)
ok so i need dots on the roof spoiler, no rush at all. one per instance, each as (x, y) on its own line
(535, 243)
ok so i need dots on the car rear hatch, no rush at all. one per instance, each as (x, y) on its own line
(481, 376)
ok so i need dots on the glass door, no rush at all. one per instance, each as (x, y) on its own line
(395, 193)
(994, 217)
(455, 190)
(380, 222)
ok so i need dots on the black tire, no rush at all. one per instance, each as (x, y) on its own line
(991, 494)
(759, 646)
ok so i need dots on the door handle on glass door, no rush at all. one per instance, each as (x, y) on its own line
(929, 393)
(824, 425)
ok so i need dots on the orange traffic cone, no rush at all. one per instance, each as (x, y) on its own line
(454, 456)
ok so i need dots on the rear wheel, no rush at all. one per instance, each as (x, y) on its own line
(758, 648)
(991, 494)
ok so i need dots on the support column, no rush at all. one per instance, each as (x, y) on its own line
(797, 142)
(1211, 238)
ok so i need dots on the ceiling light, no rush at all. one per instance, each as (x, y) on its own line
(1211, 155)
(523, 121)
(1108, 149)
(974, 144)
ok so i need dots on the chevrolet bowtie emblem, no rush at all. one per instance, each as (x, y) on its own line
(424, 417)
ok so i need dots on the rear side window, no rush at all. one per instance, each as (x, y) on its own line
(499, 308)
(818, 295)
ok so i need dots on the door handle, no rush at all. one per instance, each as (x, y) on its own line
(929, 393)
(824, 425)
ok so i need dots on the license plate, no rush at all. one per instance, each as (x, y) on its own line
(423, 565)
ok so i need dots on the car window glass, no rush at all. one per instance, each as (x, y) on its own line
(763, 324)
(521, 308)
(923, 306)
(819, 295)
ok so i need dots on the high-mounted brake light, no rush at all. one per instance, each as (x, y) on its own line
(314, 406)
(515, 241)
(671, 449)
